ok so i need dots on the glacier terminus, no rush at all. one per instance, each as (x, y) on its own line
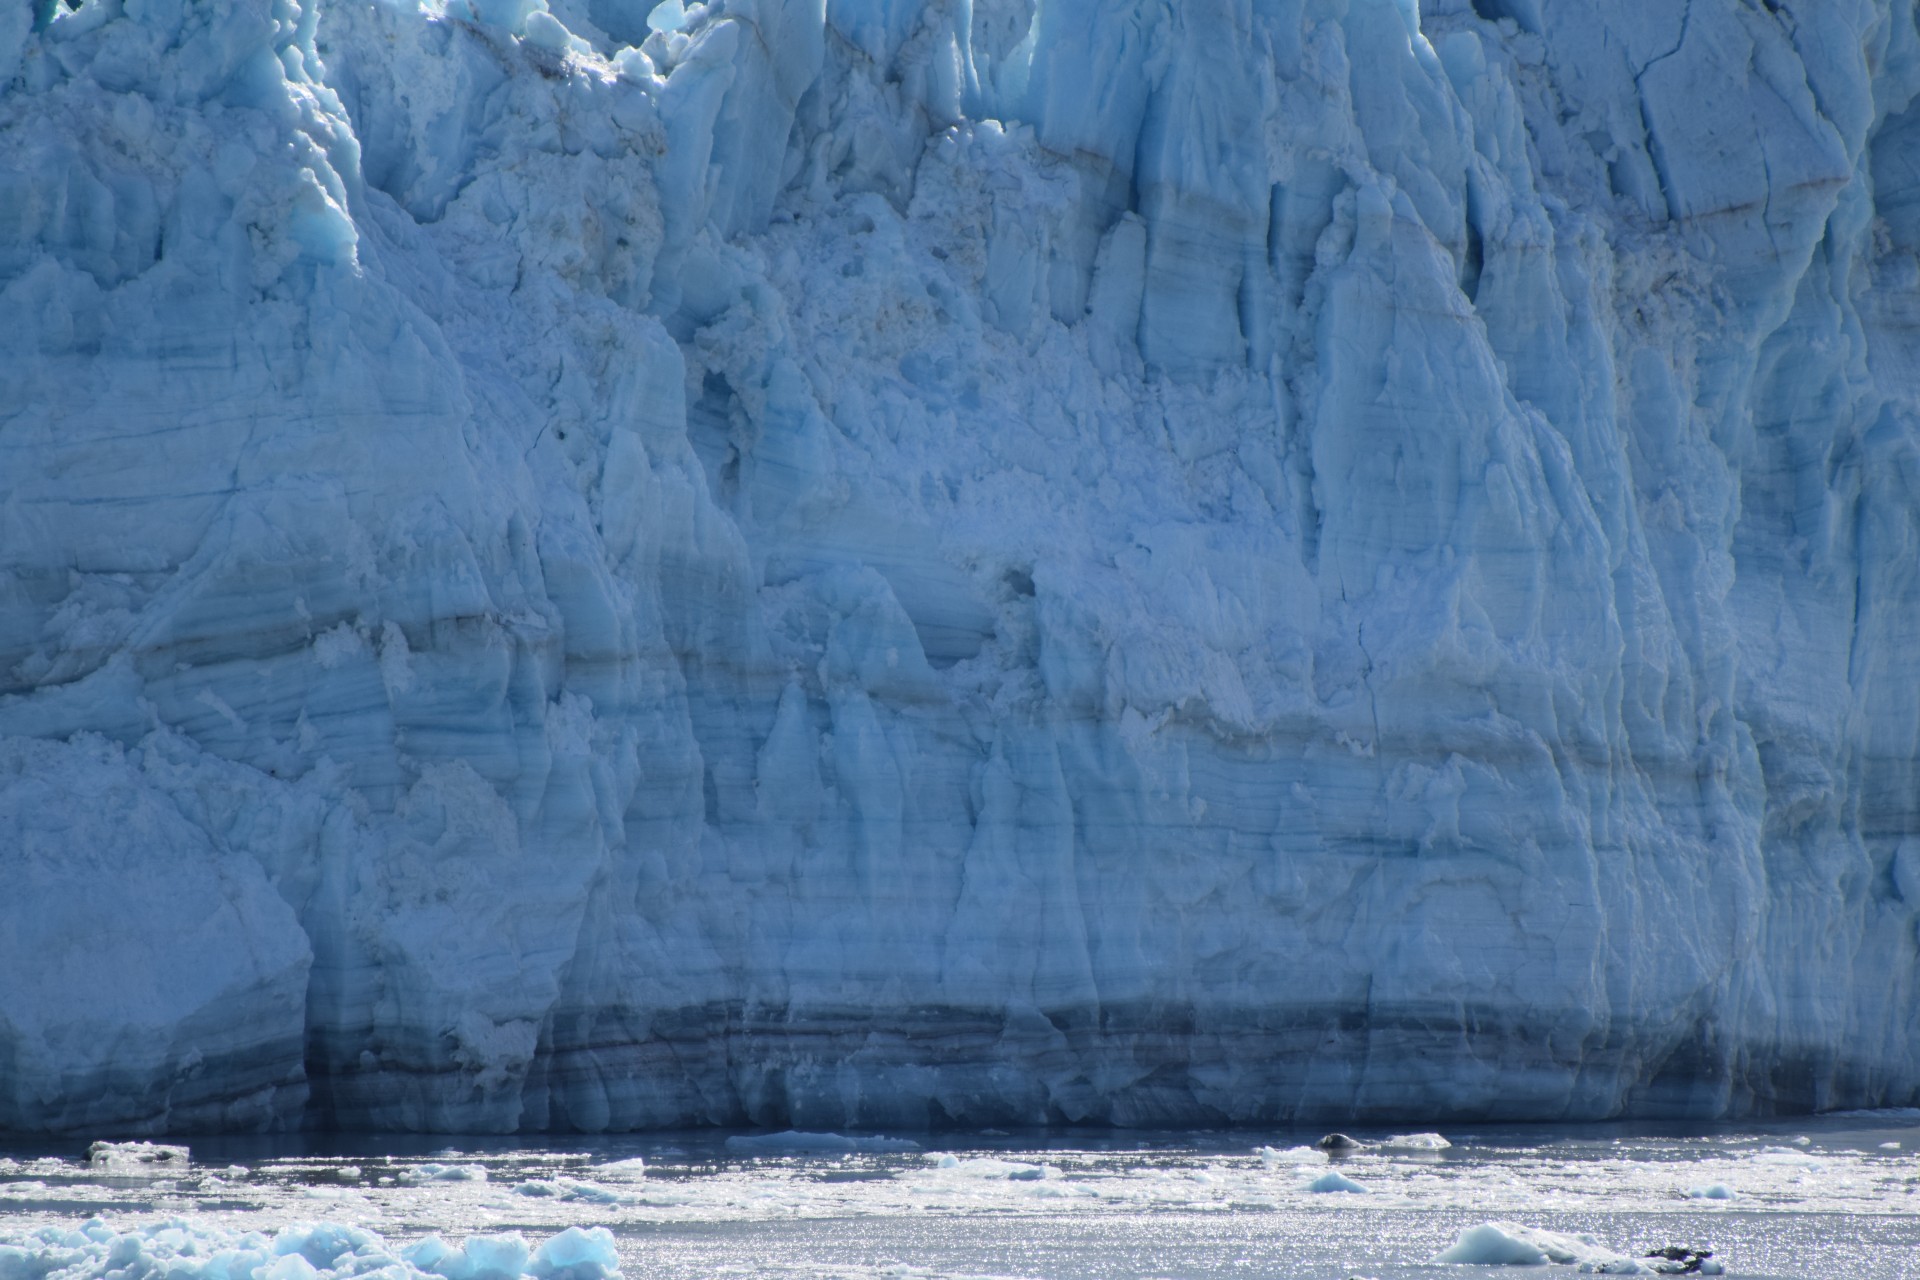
(580, 565)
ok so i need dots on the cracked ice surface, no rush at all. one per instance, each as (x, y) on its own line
(888, 563)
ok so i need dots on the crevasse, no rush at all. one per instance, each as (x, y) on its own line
(900, 563)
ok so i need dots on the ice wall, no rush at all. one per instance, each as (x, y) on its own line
(898, 562)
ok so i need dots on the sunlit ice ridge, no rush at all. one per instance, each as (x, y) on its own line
(888, 564)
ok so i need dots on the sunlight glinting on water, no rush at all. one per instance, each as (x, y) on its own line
(1837, 1197)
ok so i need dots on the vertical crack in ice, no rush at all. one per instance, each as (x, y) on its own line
(1656, 148)
(1373, 702)
(1686, 18)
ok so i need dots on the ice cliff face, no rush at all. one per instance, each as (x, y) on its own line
(894, 562)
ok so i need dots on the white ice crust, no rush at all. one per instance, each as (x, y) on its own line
(847, 564)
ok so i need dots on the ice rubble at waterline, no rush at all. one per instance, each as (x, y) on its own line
(876, 564)
(186, 1249)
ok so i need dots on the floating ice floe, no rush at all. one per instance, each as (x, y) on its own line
(1505, 1244)
(1416, 1142)
(630, 1170)
(425, 1173)
(568, 1189)
(1717, 1191)
(794, 1142)
(988, 1167)
(1334, 1182)
(1275, 1156)
(574, 1254)
(136, 1158)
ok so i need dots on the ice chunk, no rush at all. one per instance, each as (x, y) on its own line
(591, 1194)
(434, 1255)
(1417, 1142)
(493, 1257)
(1273, 1157)
(125, 1159)
(547, 32)
(435, 1172)
(1505, 1244)
(577, 1254)
(988, 1167)
(667, 16)
(629, 1170)
(1488, 1245)
(193, 1249)
(1334, 1181)
(1713, 1191)
(568, 1189)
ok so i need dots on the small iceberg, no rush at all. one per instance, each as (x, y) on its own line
(422, 1174)
(1505, 1244)
(1416, 1142)
(136, 1159)
(1334, 1182)
(568, 1189)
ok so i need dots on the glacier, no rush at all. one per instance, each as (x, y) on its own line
(818, 564)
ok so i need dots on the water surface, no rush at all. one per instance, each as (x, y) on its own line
(1831, 1198)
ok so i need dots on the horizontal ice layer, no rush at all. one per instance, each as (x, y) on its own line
(156, 975)
(880, 564)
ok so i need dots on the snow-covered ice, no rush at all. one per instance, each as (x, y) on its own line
(871, 564)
